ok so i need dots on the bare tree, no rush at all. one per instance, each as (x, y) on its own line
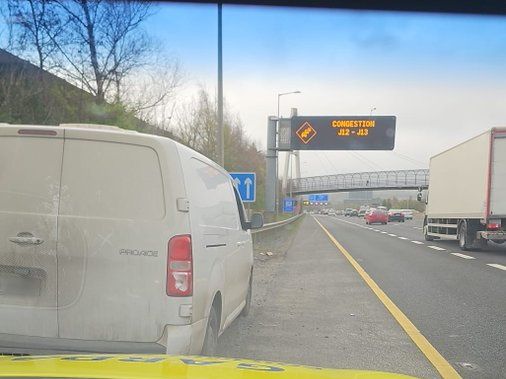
(197, 123)
(196, 127)
(103, 44)
(150, 91)
(29, 22)
(101, 47)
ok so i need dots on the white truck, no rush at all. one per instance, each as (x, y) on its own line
(466, 200)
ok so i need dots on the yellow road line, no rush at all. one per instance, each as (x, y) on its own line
(442, 365)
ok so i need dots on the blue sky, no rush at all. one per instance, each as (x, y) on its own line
(272, 39)
(443, 76)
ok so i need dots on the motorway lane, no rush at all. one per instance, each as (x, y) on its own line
(494, 254)
(311, 307)
(458, 304)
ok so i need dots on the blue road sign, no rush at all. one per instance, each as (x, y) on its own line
(318, 198)
(246, 184)
(288, 205)
(322, 198)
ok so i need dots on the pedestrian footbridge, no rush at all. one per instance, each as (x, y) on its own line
(361, 181)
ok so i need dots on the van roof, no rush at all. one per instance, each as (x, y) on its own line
(102, 132)
(97, 127)
(75, 126)
(110, 129)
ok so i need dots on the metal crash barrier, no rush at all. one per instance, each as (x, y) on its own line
(277, 224)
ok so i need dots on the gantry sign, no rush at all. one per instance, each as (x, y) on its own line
(342, 133)
(322, 133)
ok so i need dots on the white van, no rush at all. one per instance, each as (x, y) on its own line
(117, 241)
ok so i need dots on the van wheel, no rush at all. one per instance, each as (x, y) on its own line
(247, 307)
(211, 338)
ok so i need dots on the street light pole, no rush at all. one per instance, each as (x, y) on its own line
(288, 154)
(283, 94)
(220, 145)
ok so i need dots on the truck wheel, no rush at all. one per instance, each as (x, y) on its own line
(465, 240)
(211, 338)
(426, 232)
(481, 244)
(247, 308)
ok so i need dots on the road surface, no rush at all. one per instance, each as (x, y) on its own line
(312, 307)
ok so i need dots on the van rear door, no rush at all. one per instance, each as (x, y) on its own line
(30, 166)
(112, 240)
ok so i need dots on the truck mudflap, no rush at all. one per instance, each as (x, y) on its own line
(496, 235)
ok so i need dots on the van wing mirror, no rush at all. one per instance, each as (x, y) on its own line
(419, 196)
(256, 222)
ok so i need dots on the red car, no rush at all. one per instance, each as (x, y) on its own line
(377, 216)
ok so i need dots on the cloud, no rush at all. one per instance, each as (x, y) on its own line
(432, 115)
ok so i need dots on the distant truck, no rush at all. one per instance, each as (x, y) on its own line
(466, 200)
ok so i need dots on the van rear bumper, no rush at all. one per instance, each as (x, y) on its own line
(176, 339)
(184, 339)
(16, 344)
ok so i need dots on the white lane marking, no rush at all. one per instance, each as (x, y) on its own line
(436, 248)
(464, 256)
(381, 231)
(417, 227)
(500, 267)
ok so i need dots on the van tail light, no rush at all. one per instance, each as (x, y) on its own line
(494, 225)
(180, 266)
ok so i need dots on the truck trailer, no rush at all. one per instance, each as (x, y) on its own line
(466, 199)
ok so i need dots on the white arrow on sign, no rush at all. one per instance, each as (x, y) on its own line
(248, 182)
(237, 182)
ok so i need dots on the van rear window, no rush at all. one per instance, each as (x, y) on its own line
(212, 193)
(111, 180)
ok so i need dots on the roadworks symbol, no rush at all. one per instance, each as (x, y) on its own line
(306, 132)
